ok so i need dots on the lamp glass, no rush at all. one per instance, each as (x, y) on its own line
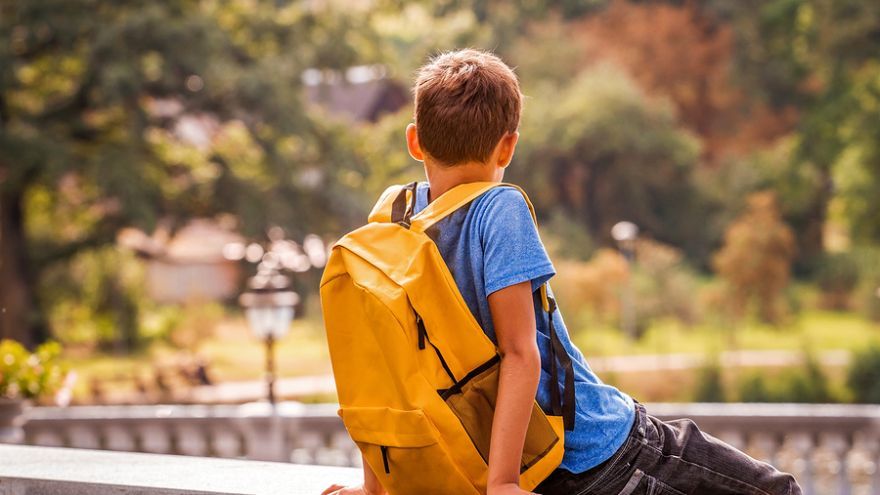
(268, 321)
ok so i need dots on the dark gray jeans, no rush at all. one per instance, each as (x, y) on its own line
(672, 458)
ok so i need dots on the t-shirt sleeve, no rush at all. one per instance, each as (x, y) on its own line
(512, 249)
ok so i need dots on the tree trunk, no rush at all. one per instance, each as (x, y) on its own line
(811, 243)
(19, 318)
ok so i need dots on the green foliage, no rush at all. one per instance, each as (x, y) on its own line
(871, 299)
(599, 139)
(837, 277)
(121, 114)
(664, 284)
(96, 300)
(807, 384)
(754, 388)
(565, 238)
(710, 385)
(118, 115)
(863, 377)
(819, 57)
(30, 375)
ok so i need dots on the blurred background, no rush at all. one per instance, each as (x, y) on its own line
(155, 155)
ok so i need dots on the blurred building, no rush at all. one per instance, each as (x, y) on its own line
(361, 93)
(189, 264)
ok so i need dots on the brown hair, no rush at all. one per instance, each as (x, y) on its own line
(465, 102)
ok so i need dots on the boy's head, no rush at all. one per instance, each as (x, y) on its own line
(466, 103)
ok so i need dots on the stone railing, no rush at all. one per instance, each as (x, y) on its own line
(289, 432)
(58, 471)
(831, 449)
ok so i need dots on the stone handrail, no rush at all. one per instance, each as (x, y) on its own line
(61, 471)
(831, 449)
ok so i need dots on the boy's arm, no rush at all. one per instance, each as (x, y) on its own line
(371, 485)
(513, 317)
(371, 482)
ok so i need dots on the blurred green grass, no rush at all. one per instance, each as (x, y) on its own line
(815, 330)
(234, 354)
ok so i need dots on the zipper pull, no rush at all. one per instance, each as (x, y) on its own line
(385, 458)
(423, 333)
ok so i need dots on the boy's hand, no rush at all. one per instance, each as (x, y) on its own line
(348, 490)
(507, 489)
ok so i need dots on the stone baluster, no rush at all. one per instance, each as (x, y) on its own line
(118, 437)
(734, 438)
(341, 445)
(48, 438)
(838, 444)
(263, 430)
(766, 446)
(869, 443)
(226, 439)
(191, 439)
(155, 437)
(803, 443)
(83, 437)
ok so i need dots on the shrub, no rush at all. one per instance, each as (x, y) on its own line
(754, 388)
(594, 285)
(863, 377)
(871, 300)
(807, 384)
(804, 384)
(30, 375)
(710, 386)
(756, 258)
(837, 277)
(664, 284)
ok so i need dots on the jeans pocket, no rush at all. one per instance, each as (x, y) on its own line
(634, 480)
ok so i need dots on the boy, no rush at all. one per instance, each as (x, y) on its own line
(467, 111)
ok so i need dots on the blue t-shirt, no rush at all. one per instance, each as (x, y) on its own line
(492, 243)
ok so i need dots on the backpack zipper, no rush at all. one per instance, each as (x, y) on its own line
(422, 332)
(384, 450)
(423, 336)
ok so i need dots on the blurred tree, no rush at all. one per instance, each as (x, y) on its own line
(756, 258)
(602, 151)
(685, 53)
(819, 56)
(120, 114)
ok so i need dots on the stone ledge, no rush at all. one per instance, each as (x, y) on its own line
(27, 470)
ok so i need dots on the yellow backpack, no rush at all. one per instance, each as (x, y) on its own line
(415, 374)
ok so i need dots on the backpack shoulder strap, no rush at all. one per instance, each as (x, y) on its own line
(454, 199)
(459, 196)
(441, 207)
(383, 210)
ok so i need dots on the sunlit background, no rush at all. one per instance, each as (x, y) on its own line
(156, 157)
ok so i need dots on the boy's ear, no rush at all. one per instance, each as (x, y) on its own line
(505, 149)
(412, 143)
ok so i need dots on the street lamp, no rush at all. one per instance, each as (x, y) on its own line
(625, 234)
(268, 306)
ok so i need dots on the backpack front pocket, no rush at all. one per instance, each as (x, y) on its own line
(472, 399)
(403, 448)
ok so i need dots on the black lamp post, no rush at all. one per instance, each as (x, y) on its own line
(625, 234)
(269, 308)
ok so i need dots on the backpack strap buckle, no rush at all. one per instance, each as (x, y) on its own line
(401, 212)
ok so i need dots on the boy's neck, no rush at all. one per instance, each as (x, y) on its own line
(443, 178)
